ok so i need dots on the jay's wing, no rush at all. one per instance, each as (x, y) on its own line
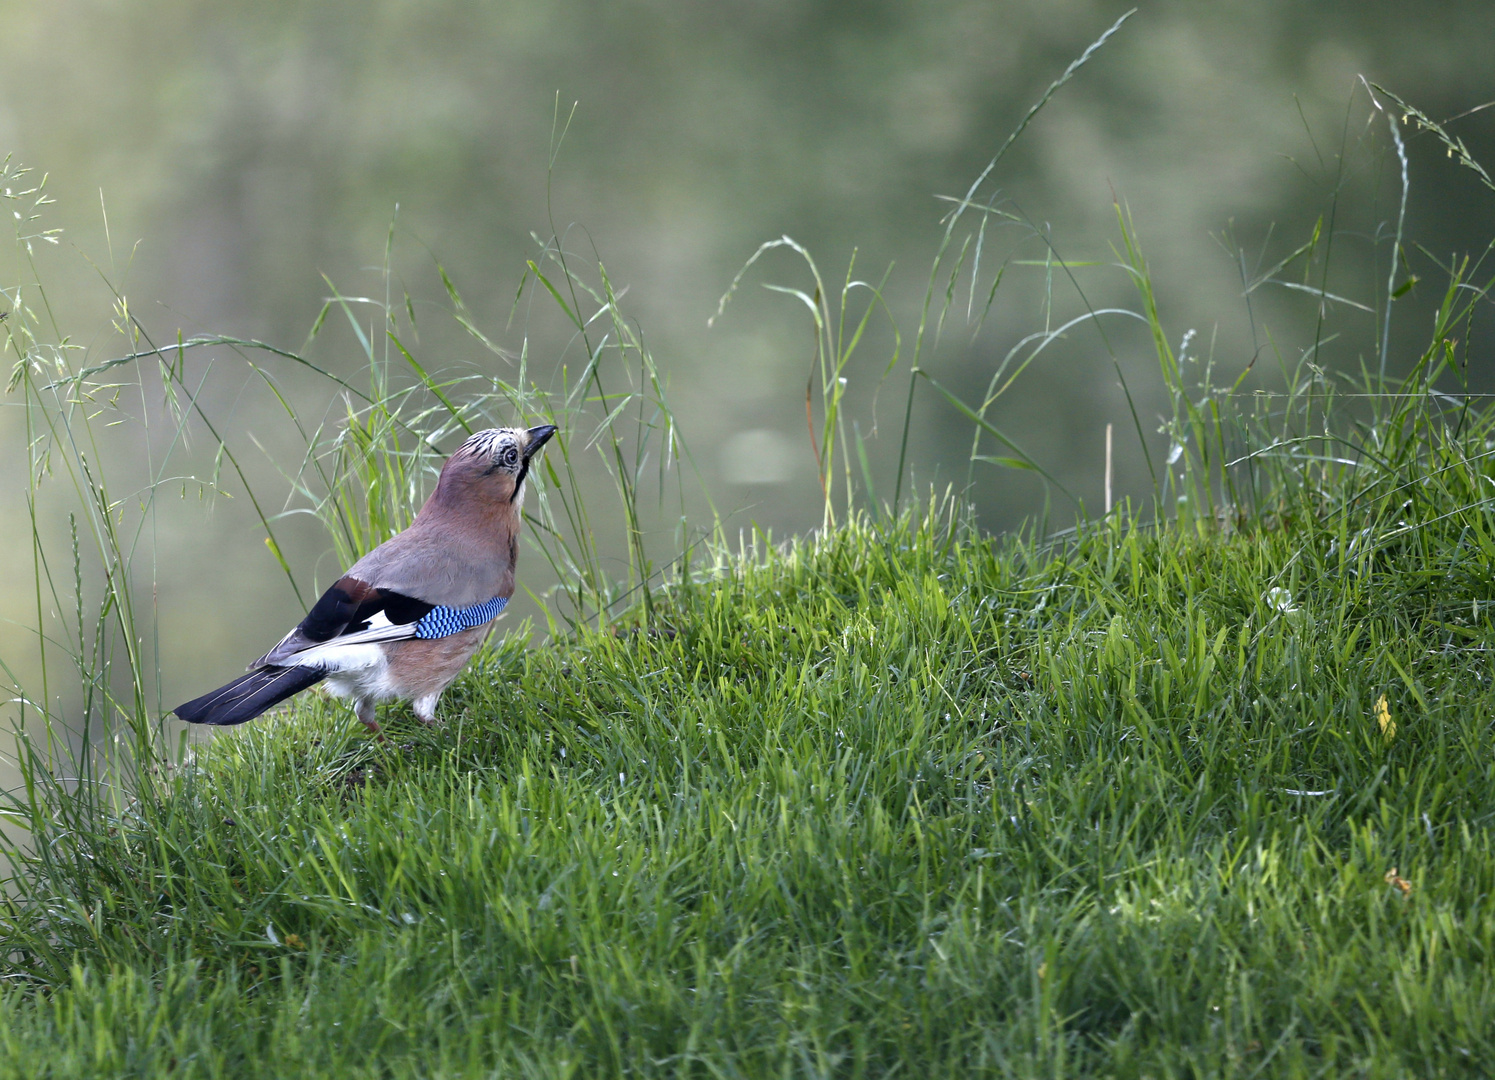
(334, 635)
(350, 612)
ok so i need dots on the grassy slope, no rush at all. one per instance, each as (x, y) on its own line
(972, 807)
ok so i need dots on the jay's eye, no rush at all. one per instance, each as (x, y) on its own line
(509, 457)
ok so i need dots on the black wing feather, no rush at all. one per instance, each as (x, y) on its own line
(345, 608)
(349, 604)
(248, 695)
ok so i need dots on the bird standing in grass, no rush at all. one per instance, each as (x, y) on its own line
(405, 619)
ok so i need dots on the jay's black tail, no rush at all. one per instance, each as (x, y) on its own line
(248, 695)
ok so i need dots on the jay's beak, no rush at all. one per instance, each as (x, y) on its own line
(538, 437)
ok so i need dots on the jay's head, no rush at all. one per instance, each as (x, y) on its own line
(491, 465)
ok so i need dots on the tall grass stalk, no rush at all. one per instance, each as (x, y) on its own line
(833, 350)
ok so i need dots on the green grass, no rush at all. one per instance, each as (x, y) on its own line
(906, 798)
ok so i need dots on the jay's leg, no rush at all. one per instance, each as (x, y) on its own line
(425, 708)
(364, 709)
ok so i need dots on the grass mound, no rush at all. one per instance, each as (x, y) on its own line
(1151, 801)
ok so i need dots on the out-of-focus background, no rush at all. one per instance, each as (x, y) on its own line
(220, 162)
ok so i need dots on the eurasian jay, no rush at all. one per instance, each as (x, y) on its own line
(405, 619)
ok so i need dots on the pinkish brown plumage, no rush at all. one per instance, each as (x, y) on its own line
(407, 617)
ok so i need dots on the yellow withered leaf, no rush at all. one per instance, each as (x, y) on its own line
(1393, 878)
(1383, 718)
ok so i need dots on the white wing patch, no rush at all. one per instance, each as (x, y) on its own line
(340, 656)
(329, 654)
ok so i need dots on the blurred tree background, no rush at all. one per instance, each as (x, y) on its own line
(251, 148)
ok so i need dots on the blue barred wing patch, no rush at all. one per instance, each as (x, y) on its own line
(442, 622)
